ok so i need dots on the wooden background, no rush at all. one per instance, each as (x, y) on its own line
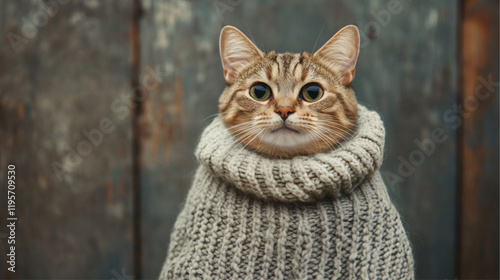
(102, 104)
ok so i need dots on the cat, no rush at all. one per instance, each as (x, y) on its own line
(302, 197)
(284, 105)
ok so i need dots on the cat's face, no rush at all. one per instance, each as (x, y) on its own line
(283, 105)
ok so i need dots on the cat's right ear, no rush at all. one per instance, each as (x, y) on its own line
(236, 51)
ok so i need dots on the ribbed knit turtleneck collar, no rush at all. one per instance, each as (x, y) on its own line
(302, 178)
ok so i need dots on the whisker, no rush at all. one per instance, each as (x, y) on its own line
(321, 31)
(329, 141)
(209, 117)
(245, 146)
(241, 137)
(334, 131)
(336, 124)
(310, 135)
(347, 131)
(242, 124)
(251, 35)
(336, 135)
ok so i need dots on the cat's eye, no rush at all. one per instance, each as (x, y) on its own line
(311, 92)
(260, 92)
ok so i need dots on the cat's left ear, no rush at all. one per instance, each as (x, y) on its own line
(341, 52)
(236, 51)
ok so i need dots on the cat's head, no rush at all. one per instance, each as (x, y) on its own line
(287, 104)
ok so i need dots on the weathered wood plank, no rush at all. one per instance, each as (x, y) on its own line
(181, 76)
(479, 144)
(68, 64)
(407, 71)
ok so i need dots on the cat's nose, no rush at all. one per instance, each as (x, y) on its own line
(284, 111)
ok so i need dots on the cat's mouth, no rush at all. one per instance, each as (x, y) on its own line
(284, 137)
(284, 128)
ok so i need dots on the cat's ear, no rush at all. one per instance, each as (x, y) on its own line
(236, 51)
(341, 52)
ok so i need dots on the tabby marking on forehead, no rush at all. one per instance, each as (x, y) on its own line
(287, 104)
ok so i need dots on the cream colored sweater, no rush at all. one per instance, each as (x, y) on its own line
(326, 216)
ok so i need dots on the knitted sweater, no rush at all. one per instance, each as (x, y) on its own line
(326, 216)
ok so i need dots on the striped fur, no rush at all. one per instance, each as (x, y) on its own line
(319, 125)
